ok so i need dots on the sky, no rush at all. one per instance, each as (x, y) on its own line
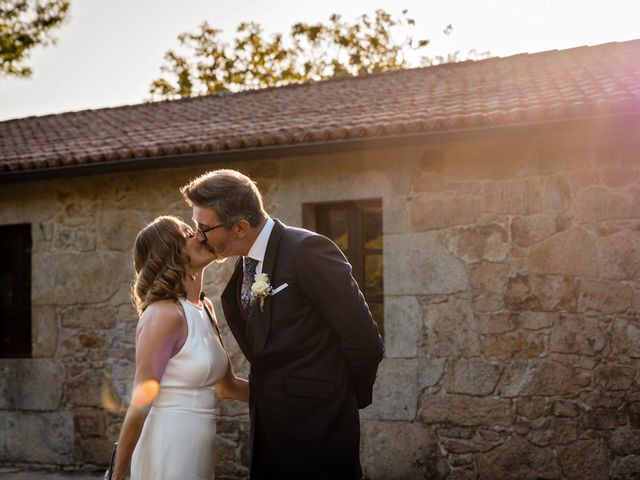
(109, 51)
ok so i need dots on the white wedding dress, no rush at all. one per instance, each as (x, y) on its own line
(178, 437)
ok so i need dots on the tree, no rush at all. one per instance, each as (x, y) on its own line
(312, 53)
(25, 24)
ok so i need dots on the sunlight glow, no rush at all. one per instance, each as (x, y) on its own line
(109, 401)
(145, 393)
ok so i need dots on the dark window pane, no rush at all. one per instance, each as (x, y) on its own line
(15, 291)
(356, 227)
(373, 229)
(6, 308)
(373, 275)
(338, 227)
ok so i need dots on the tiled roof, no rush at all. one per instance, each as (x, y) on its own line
(521, 89)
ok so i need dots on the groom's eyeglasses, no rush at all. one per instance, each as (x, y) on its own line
(204, 231)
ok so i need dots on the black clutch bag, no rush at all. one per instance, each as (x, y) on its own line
(108, 474)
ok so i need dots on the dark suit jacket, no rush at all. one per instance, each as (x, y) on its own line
(314, 353)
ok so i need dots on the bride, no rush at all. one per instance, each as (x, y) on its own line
(169, 429)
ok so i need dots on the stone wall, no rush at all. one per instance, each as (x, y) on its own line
(512, 268)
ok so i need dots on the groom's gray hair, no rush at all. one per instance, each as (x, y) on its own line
(232, 195)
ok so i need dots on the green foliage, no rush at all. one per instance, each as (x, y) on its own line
(25, 24)
(312, 52)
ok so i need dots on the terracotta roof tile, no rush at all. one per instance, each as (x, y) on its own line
(525, 88)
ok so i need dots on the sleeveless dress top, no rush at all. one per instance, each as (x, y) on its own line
(178, 437)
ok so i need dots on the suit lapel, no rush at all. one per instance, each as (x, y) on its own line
(261, 319)
(233, 314)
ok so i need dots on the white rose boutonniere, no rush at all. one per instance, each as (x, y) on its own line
(261, 288)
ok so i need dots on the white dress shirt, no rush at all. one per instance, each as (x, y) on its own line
(259, 247)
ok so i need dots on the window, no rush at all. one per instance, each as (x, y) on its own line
(356, 227)
(15, 291)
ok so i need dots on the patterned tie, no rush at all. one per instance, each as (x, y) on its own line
(246, 297)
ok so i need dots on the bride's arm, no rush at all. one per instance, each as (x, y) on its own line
(232, 387)
(161, 333)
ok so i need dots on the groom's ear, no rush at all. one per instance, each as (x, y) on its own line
(243, 228)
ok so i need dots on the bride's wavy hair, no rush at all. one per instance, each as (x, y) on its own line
(160, 261)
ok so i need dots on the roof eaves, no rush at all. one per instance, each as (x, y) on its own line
(309, 148)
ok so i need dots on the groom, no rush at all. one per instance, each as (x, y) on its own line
(305, 328)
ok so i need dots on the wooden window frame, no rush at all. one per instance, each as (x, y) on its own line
(356, 233)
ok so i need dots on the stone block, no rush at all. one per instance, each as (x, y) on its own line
(565, 408)
(626, 468)
(619, 177)
(489, 278)
(474, 244)
(536, 320)
(580, 335)
(400, 450)
(465, 410)
(623, 442)
(530, 407)
(89, 316)
(354, 175)
(95, 450)
(66, 278)
(79, 238)
(90, 423)
(518, 344)
(395, 215)
(603, 419)
(395, 393)
(605, 297)
(571, 252)
(487, 303)
(421, 266)
(430, 371)
(582, 179)
(614, 377)
(472, 377)
(585, 459)
(517, 459)
(625, 337)
(531, 229)
(428, 181)
(548, 293)
(31, 384)
(433, 211)
(513, 197)
(403, 325)
(557, 194)
(619, 256)
(497, 323)
(117, 229)
(542, 378)
(466, 440)
(597, 203)
(45, 437)
(553, 431)
(44, 331)
(464, 472)
(89, 389)
(602, 399)
(429, 174)
(451, 330)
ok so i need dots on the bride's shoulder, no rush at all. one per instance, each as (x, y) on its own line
(162, 312)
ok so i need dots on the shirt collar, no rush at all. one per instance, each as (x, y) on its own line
(259, 247)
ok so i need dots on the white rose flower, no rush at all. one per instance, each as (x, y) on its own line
(261, 286)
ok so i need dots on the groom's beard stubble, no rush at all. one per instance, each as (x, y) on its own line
(218, 258)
